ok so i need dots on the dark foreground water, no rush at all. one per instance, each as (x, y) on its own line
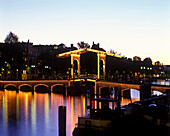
(24, 114)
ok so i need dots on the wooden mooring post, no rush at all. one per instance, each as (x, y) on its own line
(62, 120)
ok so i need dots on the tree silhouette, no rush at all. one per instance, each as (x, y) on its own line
(83, 45)
(148, 61)
(136, 58)
(11, 38)
(157, 63)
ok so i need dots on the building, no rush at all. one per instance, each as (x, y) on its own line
(60, 61)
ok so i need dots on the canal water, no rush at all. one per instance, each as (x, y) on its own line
(27, 114)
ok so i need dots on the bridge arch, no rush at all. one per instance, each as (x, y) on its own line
(56, 85)
(131, 93)
(10, 85)
(58, 88)
(128, 89)
(24, 85)
(61, 85)
(46, 89)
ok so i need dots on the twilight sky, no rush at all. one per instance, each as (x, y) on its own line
(130, 27)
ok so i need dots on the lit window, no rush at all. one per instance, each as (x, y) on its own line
(46, 66)
(24, 71)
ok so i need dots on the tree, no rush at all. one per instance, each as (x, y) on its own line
(136, 58)
(83, 45)
(11, 38)
(157, 63)
(148, 61)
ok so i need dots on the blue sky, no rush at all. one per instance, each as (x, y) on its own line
(129, 27)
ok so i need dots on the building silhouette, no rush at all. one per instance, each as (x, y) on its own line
(41, 62)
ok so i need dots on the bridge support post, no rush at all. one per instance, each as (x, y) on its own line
(49, 89)
(115, 92)
(17, 90)
(32, 90)
(2, 86)
(64, 90)
(145, 91)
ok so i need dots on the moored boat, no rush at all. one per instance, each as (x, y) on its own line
(103, 114)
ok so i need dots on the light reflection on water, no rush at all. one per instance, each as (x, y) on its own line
(31, 115)
(162, 82)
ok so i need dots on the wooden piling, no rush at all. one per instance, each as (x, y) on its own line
(62, 120)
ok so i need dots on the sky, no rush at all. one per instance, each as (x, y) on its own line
(130, 27)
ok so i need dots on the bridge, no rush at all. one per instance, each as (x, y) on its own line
(98, 88)
(145, 89)
(75, 60)
(32, 85)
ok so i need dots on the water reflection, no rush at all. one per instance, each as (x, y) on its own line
(162, 82)
(26, 114)
(35, 114)
(157, 93)
(135, 96)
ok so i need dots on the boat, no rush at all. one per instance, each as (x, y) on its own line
(103, 113)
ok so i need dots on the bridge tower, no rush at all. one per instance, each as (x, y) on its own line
(101, 60)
